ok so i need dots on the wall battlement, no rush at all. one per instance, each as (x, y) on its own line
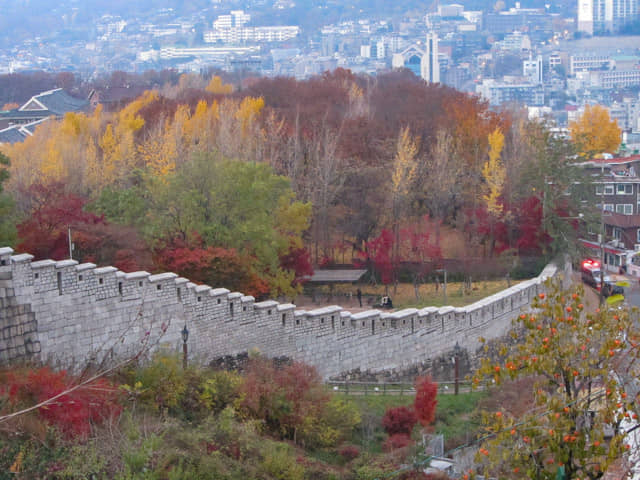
(66, 314)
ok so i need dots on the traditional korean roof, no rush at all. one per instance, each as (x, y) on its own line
(57, 101)
(337, 276)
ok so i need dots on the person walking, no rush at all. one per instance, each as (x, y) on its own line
(359, 295)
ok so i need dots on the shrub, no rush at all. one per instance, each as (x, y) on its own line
(220, 390)
(349, 452)
(399, 420)
(73, 412)
(163, 381)
(279, 463)
(291, 401)
(394, 442)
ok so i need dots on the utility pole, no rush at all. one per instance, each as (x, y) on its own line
(70, 244)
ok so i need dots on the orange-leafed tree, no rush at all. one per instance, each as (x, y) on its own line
(595, 132)
(579, 364)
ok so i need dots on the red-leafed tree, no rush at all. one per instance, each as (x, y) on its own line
(298, 260)
(426, 400)
(532, 238)
(215, 266)
(378, 255)
(45, 233)
(53, 211)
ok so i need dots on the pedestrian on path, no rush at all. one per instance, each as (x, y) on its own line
(359, 295)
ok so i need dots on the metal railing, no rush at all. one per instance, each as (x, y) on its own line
(393, 388)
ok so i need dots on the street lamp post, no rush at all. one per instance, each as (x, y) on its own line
(185, 337)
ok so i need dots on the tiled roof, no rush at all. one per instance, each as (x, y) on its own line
(60, 102)
(30, 128)
(25, 114)
(11, 135)
(337, 276)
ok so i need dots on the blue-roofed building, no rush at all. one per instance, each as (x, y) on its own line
(52, 103)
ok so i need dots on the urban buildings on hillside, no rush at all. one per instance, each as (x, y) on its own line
(605, 16)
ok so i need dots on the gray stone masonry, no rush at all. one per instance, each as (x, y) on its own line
(67, 314)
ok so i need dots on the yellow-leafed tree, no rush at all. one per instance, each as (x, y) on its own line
(402, 178)
(494, 173)
(217, 87)
(595, 132)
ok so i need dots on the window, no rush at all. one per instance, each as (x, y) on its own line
(617, 233)
(624, 208)
(624, 189)
(608, 189)
(638, 236)
(599, 189)
(608, 207)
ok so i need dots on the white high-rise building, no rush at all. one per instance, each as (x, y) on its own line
(430, 65)
(532, 69)
(599, 16)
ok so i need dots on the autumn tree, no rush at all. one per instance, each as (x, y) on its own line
(426, 400)
(595, 132)
(404, 171)
(439, 179)
(574, 357)
(493, 173)
(217, 87)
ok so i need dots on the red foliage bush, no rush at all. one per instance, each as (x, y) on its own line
(282, 397)
(394, 442)
(349, 452)
(72, 413)
(399, 420)
(210, 265)
(426, 400)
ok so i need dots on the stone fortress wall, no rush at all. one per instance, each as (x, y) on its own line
(67, 314)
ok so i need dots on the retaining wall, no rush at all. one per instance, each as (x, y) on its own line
(66, 314)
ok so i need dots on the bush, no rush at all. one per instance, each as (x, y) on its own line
(163, 381)
(220, 390)
(399, 420)
(279, 463)
(394, 442)
(349, 452)
(72, 413)
(291, 401)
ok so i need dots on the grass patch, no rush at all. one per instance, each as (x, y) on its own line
(457, 294)
(455, 418)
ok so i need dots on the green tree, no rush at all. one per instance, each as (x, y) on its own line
(7, 224)
(562, 187)
(230, 204)
(574, 359)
